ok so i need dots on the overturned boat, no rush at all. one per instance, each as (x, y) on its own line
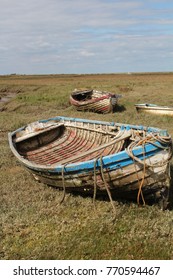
(154, 109)
(125, 161)
(94, 100)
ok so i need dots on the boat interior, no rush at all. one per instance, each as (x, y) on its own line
(70, 143)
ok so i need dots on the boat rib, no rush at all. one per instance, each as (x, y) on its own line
(77, 144)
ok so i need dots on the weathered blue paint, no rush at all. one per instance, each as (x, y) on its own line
(120, 125)
(123, 126)
(112, 162)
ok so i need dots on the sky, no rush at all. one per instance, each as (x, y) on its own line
(85, 36)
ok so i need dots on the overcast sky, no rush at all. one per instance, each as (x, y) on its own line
(85, 36)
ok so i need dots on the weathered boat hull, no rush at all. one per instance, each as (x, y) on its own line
(97, 157)
(123, 183)
(96, 101)
(154, 109)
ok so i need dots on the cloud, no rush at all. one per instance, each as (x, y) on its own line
(86, 53)
(85, 36)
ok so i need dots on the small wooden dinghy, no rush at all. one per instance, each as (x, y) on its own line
(154, 109)
(94, 100)
(126, 161)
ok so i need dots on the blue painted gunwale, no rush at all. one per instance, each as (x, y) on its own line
(122, 125)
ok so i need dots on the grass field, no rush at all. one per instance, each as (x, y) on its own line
(34, 225)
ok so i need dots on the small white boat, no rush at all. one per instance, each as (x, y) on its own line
(154, 109)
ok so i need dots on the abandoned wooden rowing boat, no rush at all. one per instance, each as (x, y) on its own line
(94, 100)
(126, 161)
(154, 109)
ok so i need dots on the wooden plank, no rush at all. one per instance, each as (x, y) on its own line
(123, 137)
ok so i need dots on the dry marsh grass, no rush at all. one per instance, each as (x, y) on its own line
(34, 225)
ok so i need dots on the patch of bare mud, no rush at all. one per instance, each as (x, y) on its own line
(5, 97)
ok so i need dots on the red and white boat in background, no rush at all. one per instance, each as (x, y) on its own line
(94, 100)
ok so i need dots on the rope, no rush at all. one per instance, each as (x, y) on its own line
(143, 142)
(106, 185)
(140, 193)
(95, 182)
(140, 183)
(63, 185)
